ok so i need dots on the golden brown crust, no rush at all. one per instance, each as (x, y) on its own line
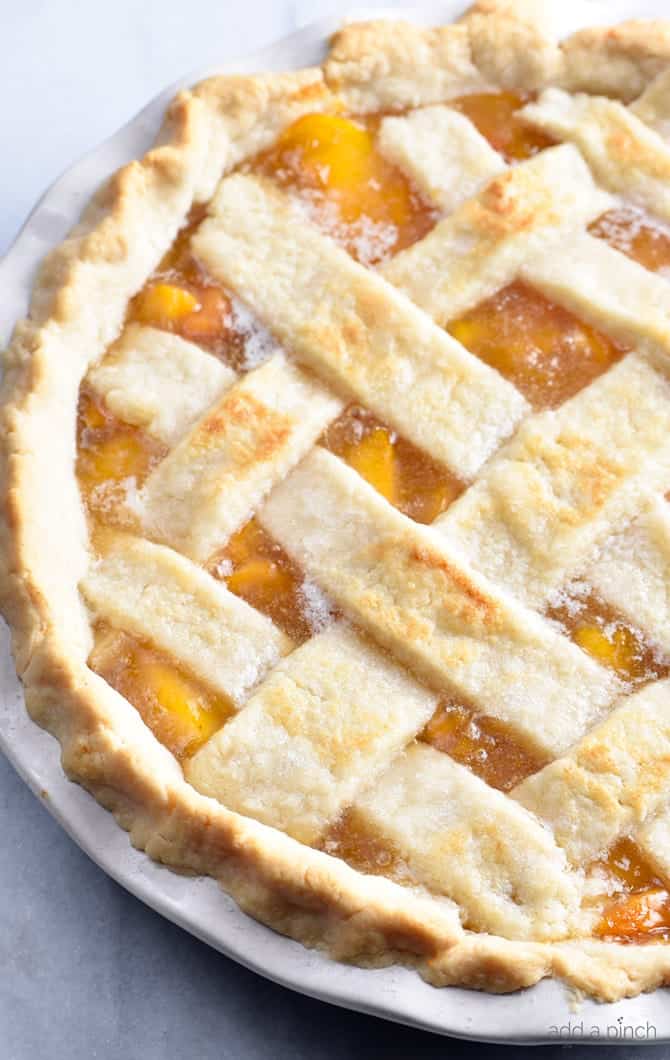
(617, 61)
(499, 43)
(122, 235)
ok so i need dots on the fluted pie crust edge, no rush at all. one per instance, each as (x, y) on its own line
(77, 309)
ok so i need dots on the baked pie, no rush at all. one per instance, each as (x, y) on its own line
(336, 542)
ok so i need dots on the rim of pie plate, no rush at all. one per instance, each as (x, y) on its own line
(458, 1012)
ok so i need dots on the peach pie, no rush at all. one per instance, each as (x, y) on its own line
(335, 530)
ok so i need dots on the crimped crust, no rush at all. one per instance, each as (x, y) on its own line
(77, 310)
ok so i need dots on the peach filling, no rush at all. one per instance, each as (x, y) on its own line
(181, 712)
(636, 234)
(361, 199)
(350, 839)
(484, 744)
(636, 907)
(546, 351)
(407, 477)
(179, 297)
(199, 314)
(494, 114)
(256, 568)
(113, 458)
(606, 635)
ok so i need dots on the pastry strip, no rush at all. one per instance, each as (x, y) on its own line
(324, 724)
(350, 326)
(233, 456)
(466, 840)
(444, 621)
(632, 573)
(158, 381)
(568, 478)
(158, 595)
(605, 288)
(610, 781)
(442, 152)
(626, 156)
(481, 247)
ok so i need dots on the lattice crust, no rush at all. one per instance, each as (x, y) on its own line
(233, 456)
(323, 725)
(632, 572)
(431, 610)
(444, 617)
(528, 208)
(607, 289)
(356, 331)
(158, 381)
(625, 155)
(555, 492)
(610, 781)
(474, 844)
(155, 593)
(509, 239)
(440, 149)
(282, 762)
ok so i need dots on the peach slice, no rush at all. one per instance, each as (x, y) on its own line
(334, 160)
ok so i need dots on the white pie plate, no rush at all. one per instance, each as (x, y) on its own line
(545, 1013)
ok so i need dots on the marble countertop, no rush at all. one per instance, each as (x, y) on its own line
(87, 971)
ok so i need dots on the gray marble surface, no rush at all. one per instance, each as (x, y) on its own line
(87, 971)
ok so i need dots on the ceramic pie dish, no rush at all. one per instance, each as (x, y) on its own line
(231, 646)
